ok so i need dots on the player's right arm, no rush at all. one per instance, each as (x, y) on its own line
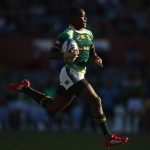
(56, 53)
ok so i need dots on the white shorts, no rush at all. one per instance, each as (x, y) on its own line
(69, 76)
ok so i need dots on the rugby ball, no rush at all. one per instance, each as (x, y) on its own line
(68, 44)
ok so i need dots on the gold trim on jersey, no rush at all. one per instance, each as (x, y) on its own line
(86, 48)
(81, 31)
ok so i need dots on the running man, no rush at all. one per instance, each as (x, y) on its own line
(72, 80)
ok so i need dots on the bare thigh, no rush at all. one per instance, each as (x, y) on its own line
(59, 104)
(62, 100)
(89, 94)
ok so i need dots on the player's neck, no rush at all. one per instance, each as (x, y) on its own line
(73, 27)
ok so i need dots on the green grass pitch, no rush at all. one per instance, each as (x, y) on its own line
(66, 141)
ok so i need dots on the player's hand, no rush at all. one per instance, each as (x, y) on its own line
(73, 54)
(99, 61)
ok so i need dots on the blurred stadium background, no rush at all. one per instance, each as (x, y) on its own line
(28, 29)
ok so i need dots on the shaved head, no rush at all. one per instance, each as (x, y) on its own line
(74, 11)
(77, 17)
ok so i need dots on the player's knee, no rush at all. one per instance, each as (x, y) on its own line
(46, 103)
(52, 110)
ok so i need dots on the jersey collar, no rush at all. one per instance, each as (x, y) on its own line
(79, 31)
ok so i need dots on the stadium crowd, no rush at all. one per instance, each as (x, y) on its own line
(47, 18)
(125, 94)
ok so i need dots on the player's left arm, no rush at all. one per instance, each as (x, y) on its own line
(94, 57)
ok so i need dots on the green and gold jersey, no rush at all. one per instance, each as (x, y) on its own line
(84, 39)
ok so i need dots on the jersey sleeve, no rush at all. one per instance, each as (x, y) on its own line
(91, 34)
(92, 48)
(62, 37)
(92, 40)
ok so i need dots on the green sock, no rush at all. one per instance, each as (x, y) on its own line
(105, 129)
(104, 126)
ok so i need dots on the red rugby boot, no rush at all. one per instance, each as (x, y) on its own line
(115, 139)
(17, 87)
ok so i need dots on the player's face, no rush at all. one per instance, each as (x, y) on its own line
(81, 20)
